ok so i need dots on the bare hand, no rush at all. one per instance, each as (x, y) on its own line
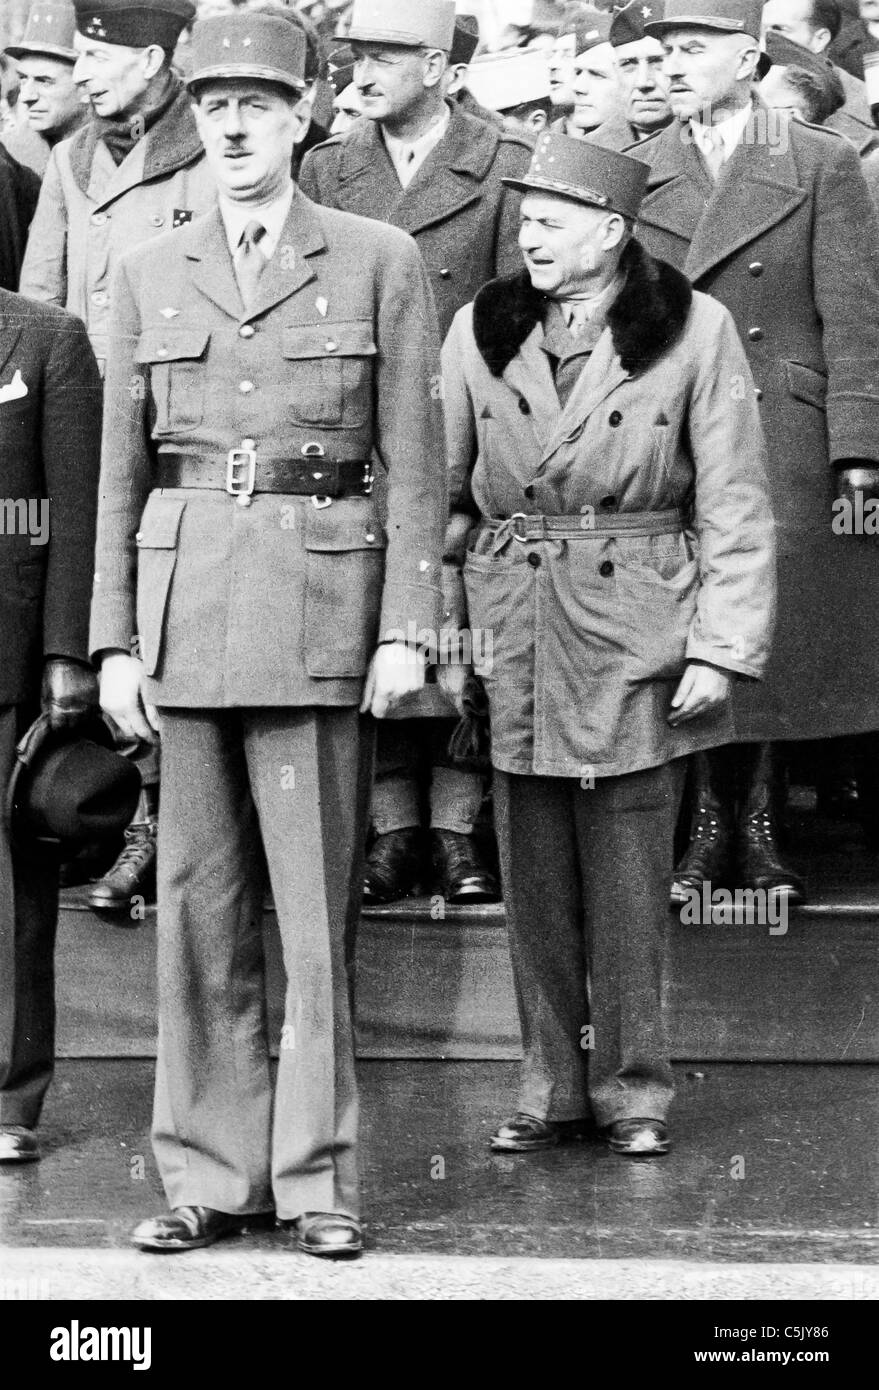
(395, 671)
(451, 678)
(121, 681)
(702, 689)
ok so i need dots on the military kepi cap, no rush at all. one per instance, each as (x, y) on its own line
(133, 23)
(246, 44)
(627, 25)
(586, 173)
(408, 23)
(729, 16)
(48, 33)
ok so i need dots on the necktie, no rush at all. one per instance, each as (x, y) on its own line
(249, 261)
(712, 151)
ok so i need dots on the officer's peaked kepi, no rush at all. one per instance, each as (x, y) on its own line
(264, 47)
(729, 16)
(133, 23)
(408, 23)
(586, 173)
(49, 32)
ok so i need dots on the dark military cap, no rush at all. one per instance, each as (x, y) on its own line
(340, 66)
(134, 23)
(466, 40)
(787, 54)
(627, 26)
(586, 173)
(248, 44)
(590, 31)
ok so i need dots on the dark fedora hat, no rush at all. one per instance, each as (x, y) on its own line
(70, 787)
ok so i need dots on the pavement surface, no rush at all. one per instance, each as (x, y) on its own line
(770, 1191)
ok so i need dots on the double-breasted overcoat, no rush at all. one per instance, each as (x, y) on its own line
(788, 241)
(583, 639)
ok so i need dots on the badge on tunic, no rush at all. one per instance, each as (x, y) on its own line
(169, 313)
(181, 217)
(321, 305)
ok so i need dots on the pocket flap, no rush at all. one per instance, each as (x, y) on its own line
(806, 384)
(323, 531)
(160, 523)
(349, 339)
(171, 344)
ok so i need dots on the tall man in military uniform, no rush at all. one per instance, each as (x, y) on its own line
(637, 60)
(134, 171)
(774, 218)
(272, 508)
(616, 639)
(426, 166)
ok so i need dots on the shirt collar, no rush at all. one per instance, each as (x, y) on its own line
(729, 131)
(422, 146)
(272, 215)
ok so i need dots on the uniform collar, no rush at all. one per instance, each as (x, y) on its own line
(273, 215)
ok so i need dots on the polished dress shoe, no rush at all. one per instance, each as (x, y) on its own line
(18, 1144)
(459, 870)
(708, 857)
(134, 873)
(638, 1138)
(186, 1228)
(327, 1233)
(525, 1133)
(393, 866)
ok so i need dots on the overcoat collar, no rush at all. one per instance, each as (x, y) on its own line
(171, 144)
(448, 180)
(288, 270)
(759, 187)
(645, 320)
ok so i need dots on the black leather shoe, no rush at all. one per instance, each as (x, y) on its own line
(638, 1138)
(18, 1144)
(328, 1234)
(525, 1133)
(708, 857)
(459, 870)
(393, 866)
(186, 1228)
(759, 858)
(133, 874)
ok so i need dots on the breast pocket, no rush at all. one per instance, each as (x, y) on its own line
(330, 373)
(156, 560)
(345, 566)
(175, 359)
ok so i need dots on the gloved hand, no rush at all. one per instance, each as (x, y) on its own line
(69, 692)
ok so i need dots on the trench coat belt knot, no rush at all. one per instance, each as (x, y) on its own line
(581, 526)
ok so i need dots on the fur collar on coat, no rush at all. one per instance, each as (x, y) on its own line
(645, 320)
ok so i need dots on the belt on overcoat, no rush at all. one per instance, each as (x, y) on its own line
(582, 526)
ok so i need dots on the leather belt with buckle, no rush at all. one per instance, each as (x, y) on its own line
(246, 470)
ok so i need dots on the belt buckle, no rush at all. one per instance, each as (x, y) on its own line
(236, 459)
(368, 477)
(518, 516)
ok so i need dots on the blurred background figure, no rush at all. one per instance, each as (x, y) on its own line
(457, 76)
(50, 106)
(803, 83)
(512, 88)
(597, 94)
(643, 108)
(9, 88)
(346, 102)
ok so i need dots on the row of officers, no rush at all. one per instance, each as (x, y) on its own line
(658, 378)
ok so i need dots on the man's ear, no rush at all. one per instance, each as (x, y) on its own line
(749, 57)
(153, 60)
(614, 231)
(302, 115)
(435, 64)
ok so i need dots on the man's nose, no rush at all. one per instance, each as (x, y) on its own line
(363, 72)
(232, 124)
(80, 69)
(646, 77)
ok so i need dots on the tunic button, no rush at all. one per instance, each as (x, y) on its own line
(755, 334)
(100, 297)
(99, 218)
(528, 491)
(608, 504)
(758, 393)
(246, 330)
(445, 274)
(161, 352)
(331, 346)
(534, 561)
(138, 535)
(245, 387)
(524, 406)
(614, 419)
(157, 220)
(755, 268)
(370, 537)
(605, 569)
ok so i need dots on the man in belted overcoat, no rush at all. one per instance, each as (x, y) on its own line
(272, 506)
(620, 557)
